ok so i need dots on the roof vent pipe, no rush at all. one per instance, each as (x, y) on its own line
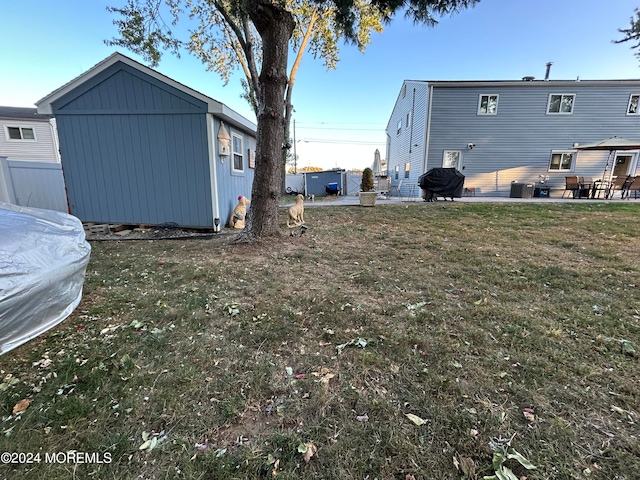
(546, 75)
(528, 79)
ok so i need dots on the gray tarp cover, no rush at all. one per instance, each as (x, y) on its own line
(43, 259)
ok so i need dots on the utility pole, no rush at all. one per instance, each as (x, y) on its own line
(295, 155)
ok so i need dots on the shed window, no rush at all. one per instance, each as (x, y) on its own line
(21, 133)
(238, 158)
(562, 161)
(488, 105)
(561, 103)
(632, 109)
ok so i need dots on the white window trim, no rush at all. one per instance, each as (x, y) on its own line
(637, 112)
(444, 156)
(560, 152)
(234, 153)
(573, 104)
(480, 112)
(30, 127)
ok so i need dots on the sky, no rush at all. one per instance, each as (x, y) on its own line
(340, 115)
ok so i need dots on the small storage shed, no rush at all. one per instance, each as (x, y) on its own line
(315, 182)
(140, 148)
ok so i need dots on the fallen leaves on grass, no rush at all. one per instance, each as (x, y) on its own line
(308, 450)
(465, 465)
(416, 419)
(356, 342)
(324, 375)
(152, 440)
(529, 414)
(21, 406)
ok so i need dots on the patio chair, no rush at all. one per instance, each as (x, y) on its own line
(571, 185)
(397, 189)
(634, 186)
(586, 184)
(621, 182)
(382, 185)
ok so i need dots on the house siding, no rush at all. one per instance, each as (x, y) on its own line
(135, 151)
(408, 146)
(43, 149)
(516, 144)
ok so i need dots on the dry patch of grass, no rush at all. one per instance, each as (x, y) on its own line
(391, 343)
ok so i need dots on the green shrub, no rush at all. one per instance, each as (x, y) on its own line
(366, 185)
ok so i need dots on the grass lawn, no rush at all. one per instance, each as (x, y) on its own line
(410, 342)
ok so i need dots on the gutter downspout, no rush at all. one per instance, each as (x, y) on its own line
(427, 130)
(213, 175)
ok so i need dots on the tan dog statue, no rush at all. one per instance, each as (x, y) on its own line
(239, 213)
(296, 212)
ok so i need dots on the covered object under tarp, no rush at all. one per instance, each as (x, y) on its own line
(43, 259)
(441, 182)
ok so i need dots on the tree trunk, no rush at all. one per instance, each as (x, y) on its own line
(275, 26)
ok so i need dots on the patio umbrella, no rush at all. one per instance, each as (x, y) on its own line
(377, 164)
(611, 144)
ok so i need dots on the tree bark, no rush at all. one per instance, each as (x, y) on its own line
(275, 26)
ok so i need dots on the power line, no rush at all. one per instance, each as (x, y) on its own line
(334, 141)
(342, 128)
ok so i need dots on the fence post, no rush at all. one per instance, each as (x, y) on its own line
(6, 185)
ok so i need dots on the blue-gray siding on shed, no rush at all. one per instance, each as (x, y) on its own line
(315, 182)
(517, 142)
(232, 183)
(135, 150)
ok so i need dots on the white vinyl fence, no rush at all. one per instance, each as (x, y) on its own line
(32, 184)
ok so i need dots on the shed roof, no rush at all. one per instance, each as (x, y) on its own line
(22, 113)
(213, 106)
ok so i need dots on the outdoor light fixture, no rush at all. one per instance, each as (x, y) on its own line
(470, 146)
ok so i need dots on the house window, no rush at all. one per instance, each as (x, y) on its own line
(407, 169)
(561, 103)
(632, 109)
(404, 90)
(408, 119)
(562, 161)
(451, 159)
(397, 172)
(21, 133)
(399, 127)
(488, 105)
(238, 158)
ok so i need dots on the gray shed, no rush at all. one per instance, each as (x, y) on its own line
(140, 148)
(315, 182)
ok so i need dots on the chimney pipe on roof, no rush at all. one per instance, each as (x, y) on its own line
(546, 75)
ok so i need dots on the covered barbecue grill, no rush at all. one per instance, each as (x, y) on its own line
(441, 182)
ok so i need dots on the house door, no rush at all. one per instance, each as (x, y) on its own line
(623, 164)
(452, 159)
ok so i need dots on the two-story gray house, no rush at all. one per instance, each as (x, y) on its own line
(499, 132)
